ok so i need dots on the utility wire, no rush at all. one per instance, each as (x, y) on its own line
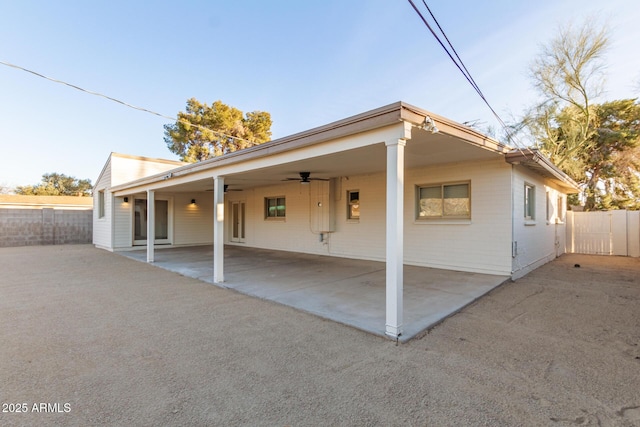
(463, 69)
(122, 102)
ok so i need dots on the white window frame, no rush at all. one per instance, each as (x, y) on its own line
(529, 202)
(443, 216)
(275, 217)
(351, 203)
(101, 207)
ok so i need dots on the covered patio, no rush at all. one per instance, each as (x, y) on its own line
(343, 290)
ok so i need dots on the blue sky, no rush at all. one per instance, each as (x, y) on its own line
(307, 63)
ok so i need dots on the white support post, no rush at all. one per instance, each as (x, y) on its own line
(395, 241)
(218, 229)
(151, 224)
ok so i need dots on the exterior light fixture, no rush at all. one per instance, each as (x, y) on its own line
(193, 201)
(429, 125)
(126, 200)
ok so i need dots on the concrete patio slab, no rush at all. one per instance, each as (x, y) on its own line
(344, 290)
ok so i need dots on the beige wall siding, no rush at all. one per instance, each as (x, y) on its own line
(125, 169)
(293, 233)
(365, 237)
(459, 246)
(482, 244)
(123, 220)
(114, 230)
(539, 240)
(102, 226)
(193, 223)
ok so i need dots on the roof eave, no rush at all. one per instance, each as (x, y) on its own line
(374, 119)
(542, 165)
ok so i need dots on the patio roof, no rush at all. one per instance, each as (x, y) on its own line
(351, 146)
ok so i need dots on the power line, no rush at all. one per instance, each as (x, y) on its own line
(463, 69)
(122, 102)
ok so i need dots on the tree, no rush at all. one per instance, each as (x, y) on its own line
(612, 162)
(56, 184)
(203, 131)
(569, 74)
(595, 144)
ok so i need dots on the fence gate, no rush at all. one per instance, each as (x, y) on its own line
(604, 233)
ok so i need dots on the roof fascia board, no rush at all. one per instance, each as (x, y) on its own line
(395, 113)
(104, 168)
(258, 160)
(446, 126)
(534, 157)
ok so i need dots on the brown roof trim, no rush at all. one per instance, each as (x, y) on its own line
(537, 162)
(369, 120)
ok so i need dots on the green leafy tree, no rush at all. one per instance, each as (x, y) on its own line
(57, 184)
(205, 131)
(612, 161)
(595, 144)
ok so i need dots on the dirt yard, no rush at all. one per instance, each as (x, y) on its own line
(92, 338)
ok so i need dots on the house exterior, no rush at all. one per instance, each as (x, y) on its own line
(397, 184)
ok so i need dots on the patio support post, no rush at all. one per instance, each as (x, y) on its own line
(218, 229)
(151, 224)
(395, 241)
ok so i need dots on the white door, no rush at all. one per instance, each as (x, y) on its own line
(238, 212)
(162, 227)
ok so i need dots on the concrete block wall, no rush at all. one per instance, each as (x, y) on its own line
(29, 227)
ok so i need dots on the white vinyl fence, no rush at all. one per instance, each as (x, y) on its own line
(604, 233)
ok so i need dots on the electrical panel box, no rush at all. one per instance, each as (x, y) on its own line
(322, 206)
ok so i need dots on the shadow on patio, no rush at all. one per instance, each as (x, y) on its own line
(344, 290)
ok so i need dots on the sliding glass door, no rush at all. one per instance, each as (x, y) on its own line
(162, 223)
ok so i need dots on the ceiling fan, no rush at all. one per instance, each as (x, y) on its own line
(305, 178)
(226, 188)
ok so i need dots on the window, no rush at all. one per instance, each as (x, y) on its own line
(101, 204)
(529, 202)
(353, 209)
(275, 207)
(444, 201)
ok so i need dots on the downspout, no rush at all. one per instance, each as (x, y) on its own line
(514, 244)
(112, 220)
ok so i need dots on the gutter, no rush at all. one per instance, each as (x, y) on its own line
(542, 165)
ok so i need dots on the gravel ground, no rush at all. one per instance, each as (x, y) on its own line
(100, 339)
